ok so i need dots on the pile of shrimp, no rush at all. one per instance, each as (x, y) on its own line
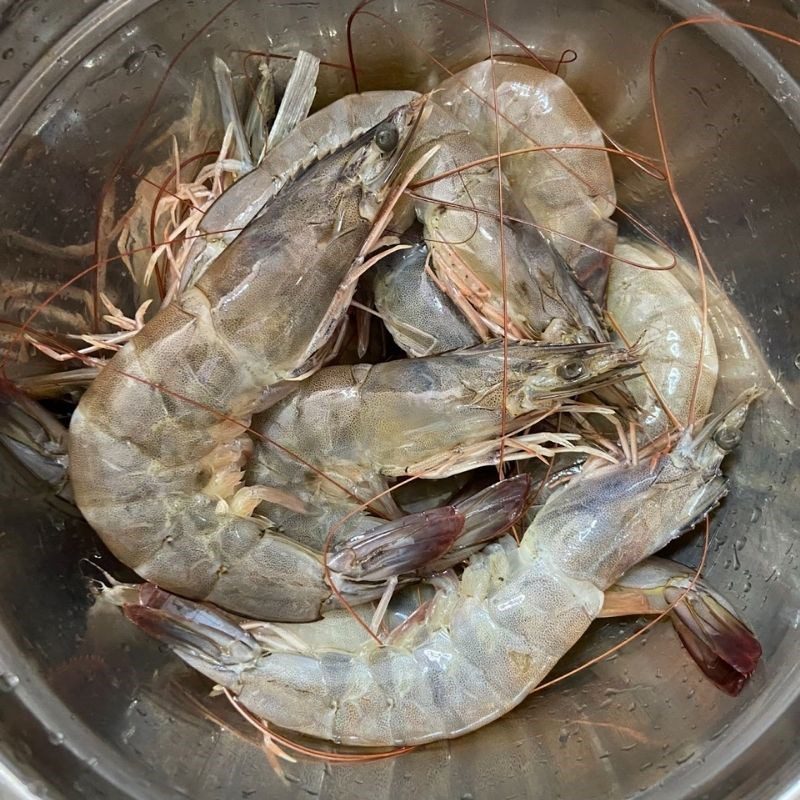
(398, 412)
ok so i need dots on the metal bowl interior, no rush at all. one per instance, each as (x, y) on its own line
(90, 708)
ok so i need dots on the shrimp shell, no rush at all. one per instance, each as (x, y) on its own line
(570, 191)
(324, 132)
(652, 305)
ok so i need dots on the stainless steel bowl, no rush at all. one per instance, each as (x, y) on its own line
(89, 708)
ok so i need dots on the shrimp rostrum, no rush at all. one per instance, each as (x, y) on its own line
(482, 643)
(156, 442)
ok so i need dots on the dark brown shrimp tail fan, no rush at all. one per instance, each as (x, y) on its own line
(722, 645)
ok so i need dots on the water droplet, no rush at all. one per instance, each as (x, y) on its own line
(56, 737)
(133, 63)
(718, 733)
(8, 54)
(755, 514)
(797, 361)
(8, 682)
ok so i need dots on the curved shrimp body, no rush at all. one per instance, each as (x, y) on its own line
(435, 416)
(651, 306)
(460, 211)
(157, 442)
(324, 132)
(481, 644)
(569, 192)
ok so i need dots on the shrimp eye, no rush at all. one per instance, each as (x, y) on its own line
(728, 438)
(570, 371)
(387, 137)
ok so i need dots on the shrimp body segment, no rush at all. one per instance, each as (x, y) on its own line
(481, 644)
(652, 306)
(157, 443)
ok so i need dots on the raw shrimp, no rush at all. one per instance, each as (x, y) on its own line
(542, 298)
(355, 428)
(716, 638)
(420, 316)
(652, 306)
(483, 642)
(38, 442)
(569, 191)
(436, 416)
(466, 265)
(324, 132)
(157, 441)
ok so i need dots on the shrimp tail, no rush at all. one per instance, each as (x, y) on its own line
(197, 632)
(487, 516)
(720, 643)
(400, 546)
(426, 542)
(493, 510)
